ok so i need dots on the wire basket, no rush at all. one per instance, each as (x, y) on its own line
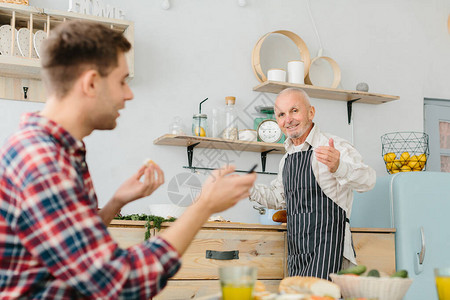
(405, 151)
(23, 2)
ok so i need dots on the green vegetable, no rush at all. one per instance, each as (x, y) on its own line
(373, 273)
(152, 221)
(401, 274)
(357, 270)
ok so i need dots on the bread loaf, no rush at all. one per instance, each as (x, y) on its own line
(259, 286)
(280, 216)
(309, 285)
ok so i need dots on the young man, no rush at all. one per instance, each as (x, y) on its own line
(315, 184)
(53, 242)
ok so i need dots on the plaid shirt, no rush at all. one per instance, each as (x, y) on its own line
(53, 244)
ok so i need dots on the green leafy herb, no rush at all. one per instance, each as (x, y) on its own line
(152, 221)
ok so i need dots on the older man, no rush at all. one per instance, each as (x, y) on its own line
(315, 184)
(53, 243)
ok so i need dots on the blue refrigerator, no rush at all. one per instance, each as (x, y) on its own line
(417, 205)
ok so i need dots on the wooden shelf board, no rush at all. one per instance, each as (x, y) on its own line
(326, 93)
(216, 143)
(117, 23)
(41, 13)
(14, 66)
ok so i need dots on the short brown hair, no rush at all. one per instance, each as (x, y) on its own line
(75, 46)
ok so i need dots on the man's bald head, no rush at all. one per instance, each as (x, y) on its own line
(301, 94)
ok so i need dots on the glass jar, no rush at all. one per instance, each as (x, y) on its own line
(176, 127)
(199, 125)
(230, 131)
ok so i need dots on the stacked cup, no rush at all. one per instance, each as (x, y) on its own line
(296, 71)
(276, 75)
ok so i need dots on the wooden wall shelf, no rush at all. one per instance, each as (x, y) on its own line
(15, 70)
(326, 93)
(216, 143)
(190, 142)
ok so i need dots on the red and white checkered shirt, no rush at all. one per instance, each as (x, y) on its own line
(53, 244)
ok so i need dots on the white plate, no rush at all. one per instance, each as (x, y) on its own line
(23, 41)
(5, 41)
(39, 37)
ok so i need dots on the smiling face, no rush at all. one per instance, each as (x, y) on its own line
(114, 91)
(294, 115)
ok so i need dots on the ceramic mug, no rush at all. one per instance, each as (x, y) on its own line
(276, 75)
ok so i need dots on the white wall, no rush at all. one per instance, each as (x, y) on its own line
(202, 48)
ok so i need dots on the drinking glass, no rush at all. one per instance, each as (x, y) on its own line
(237, 282)
(442, 276)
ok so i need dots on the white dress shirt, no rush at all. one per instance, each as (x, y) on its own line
(352, 174)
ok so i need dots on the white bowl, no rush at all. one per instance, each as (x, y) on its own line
(383, 288)
(166, 210)
(248, 135)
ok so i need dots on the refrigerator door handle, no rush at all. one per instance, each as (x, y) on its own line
(422, 250)
(418, 267)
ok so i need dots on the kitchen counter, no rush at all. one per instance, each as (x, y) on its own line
(214, 225)
(263, 246)
(237, 225)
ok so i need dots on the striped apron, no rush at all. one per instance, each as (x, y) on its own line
(315, 223)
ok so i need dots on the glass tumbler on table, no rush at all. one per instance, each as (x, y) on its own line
(442, 277)
(237, 282)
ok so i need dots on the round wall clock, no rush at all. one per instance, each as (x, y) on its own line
(269, 131)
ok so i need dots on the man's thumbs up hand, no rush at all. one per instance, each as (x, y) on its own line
(328, 155)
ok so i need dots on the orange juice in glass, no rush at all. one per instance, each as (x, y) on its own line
(442, 276)
(237, 282)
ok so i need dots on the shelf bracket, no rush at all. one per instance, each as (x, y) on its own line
(190, 153)
(263, 159)
(241, 171)
(349, 109)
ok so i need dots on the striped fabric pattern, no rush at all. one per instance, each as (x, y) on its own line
(315, 223)
(53, 244)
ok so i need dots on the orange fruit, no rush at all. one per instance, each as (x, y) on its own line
(389, 157)
(396, 164)
(413, 162)
(405, 168)
(423, 157)
(199, 131)
(389, 166)
(404, 158)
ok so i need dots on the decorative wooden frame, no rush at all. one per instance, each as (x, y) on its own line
(301, 45)
(334, 66)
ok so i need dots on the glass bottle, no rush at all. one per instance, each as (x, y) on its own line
(216, 122)
(230, 131)
(199, 125)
